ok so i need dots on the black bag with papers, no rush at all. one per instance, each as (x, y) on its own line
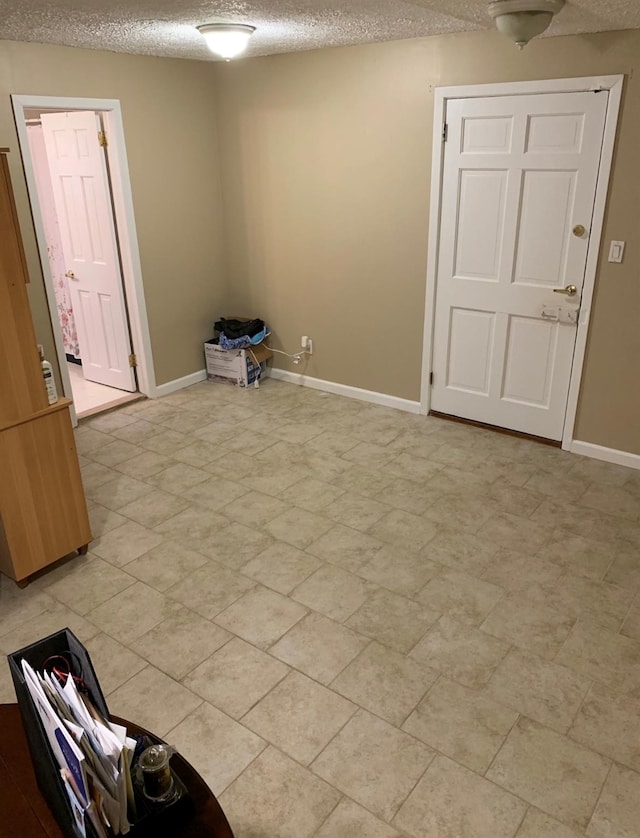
(50, 783)
(46, 732)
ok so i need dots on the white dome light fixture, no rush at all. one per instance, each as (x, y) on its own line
(522, 20)
(226, 39)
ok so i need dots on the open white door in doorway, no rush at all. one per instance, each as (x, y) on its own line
(83, 204)
(518, 189)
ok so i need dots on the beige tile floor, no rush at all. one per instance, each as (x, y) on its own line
(360, 623)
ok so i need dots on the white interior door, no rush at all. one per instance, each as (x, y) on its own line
(55, 255)
(83, 204)
(519, 180)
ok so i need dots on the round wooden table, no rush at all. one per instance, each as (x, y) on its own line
(25, 813)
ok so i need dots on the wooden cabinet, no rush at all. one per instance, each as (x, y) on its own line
(43, 512)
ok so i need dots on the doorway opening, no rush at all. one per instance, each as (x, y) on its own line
(77, 177)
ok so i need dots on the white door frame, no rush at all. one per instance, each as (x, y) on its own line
(441, 95)
(125, 225)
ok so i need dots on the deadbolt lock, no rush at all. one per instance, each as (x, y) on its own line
(579, 230)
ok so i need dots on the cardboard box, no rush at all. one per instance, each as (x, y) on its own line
(239, 366)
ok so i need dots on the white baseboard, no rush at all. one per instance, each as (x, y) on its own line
(179, 383)
(346, 390)
(610, 455)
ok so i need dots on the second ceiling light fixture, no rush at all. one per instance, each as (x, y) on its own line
(522, 20)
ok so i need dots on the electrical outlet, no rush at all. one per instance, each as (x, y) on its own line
(307, 344)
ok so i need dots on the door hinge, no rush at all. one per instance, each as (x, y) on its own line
(445, 132)
(133, 361)
(430, 378)
(102, 139)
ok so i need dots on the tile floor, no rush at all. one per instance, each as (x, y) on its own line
(360, 623)
(90, 397)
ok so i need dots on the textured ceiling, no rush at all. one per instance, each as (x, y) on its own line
(166, 27)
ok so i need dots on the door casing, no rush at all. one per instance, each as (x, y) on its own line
(441, 96)
(125, 223)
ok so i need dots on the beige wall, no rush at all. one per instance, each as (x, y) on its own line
(171, 135)
(326, 165)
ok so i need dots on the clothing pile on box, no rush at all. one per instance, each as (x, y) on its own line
(237, 353)
(238, 334)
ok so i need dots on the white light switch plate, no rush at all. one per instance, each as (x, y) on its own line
(616, 251)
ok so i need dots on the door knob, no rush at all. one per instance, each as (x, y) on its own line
(70, 274)
(570, 290)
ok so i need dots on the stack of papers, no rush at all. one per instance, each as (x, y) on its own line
(94, 755)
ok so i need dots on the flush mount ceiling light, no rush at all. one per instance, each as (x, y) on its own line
(226, 39)
(522, 20)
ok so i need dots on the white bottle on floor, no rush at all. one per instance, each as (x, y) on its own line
(49, 381)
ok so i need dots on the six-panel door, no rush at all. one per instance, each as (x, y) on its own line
(519, 175)
(83, 205)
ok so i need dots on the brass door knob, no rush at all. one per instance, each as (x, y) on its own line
(570, 290)
(579, 230)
